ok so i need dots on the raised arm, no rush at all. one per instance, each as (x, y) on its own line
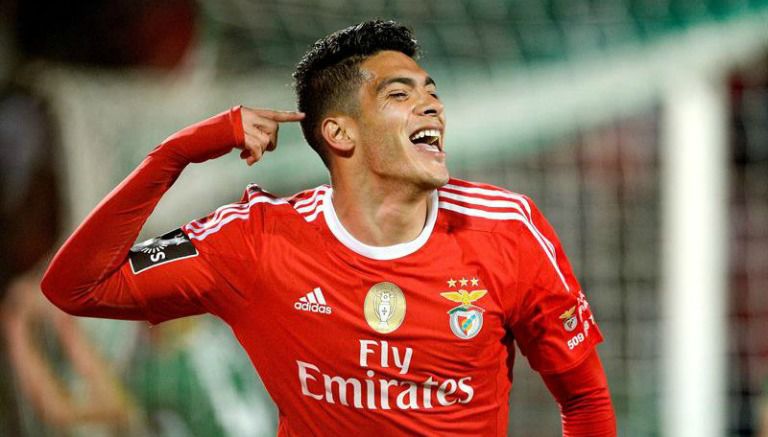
(89, 274)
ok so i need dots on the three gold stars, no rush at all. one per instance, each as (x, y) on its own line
(463, 282)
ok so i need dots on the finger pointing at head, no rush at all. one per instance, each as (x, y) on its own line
(282, 116)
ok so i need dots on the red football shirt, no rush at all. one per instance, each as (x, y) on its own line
(414, 338)
(348, 338)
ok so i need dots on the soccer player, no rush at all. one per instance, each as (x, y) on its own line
(388, 301)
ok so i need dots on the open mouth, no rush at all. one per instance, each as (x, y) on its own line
(429, 139)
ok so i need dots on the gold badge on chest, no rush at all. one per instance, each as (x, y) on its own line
(384, 307)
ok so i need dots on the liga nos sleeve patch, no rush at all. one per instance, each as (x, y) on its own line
(173, 246)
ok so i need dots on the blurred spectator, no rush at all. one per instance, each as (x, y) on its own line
(77, 398)
(30, 218)
(29, 195)
(53, 378)
(192, 379)
(29, 210)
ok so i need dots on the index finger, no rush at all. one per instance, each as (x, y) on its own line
(282, 116)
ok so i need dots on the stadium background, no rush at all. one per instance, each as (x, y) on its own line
(639, 126)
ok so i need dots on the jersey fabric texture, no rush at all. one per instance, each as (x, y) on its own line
(415, 338)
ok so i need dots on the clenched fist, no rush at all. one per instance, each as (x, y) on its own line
(260, 127)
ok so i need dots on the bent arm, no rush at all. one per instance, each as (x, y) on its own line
(585, 403)
(84, 278)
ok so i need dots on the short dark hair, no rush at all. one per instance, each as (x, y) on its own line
(329, 75)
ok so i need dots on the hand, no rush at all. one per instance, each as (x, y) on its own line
(260, 128)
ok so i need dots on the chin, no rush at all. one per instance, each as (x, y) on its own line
(442, 180)
(435, 180)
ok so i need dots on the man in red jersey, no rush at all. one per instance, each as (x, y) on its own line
(387, 302)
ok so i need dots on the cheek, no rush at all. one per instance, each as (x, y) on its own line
(385, 135)
(386, 154)
(392, 117)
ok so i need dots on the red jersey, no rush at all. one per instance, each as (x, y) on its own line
(414, 338)
(411, 339)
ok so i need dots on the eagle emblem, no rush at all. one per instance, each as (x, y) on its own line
(464, 297)
(465, 320)
(569, 319)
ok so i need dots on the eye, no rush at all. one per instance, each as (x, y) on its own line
(399, 95)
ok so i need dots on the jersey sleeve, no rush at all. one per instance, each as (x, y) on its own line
(164, 278)
(97, 273)
(551, 319)
(192, 270)
(200, 267)
(584, 399)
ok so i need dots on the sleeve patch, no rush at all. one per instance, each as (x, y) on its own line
(173, 246)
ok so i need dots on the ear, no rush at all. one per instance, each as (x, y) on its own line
(339, 133)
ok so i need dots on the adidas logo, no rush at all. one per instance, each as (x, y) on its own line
(313, 302)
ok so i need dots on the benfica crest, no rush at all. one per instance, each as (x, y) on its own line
(569, 319)
(465, 320)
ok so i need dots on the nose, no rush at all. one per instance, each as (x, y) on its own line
(430, 106)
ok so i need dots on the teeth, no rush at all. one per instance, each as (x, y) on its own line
(426, 132)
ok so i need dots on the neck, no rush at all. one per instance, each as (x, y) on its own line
(380, 213)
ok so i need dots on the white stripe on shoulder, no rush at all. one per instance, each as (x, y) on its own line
(310, 199)
(311, 217)
(305, 207)
(486, 192)
(218, 214)
(311, 207)
(523, 203)
(204, 234)
(515, 216)
(484, 202)
(226, 214)
(225, 210)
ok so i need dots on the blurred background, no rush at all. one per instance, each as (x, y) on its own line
(640, 127)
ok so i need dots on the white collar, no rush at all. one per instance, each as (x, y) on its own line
(379, 252)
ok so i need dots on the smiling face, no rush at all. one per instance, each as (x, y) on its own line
(401, 123)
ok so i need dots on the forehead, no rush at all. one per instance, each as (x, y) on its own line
(388, 64)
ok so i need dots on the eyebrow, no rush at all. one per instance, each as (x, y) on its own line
(403, 80)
